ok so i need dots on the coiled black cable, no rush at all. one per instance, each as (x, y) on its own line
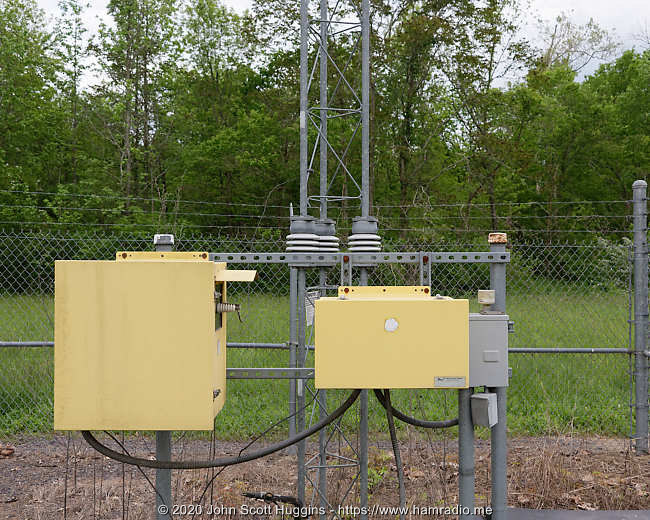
(223, 461)
(448, 423)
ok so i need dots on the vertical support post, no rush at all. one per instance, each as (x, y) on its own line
(465, 454)
(365, 108)
(163, 476)
(499, 461)
(363, 433)
(304, 94)
(163, 438)
(365, 212)
(300, 391)
(322, 435)
(293, 342)
(324, 114)
(498, 437)
(639, 190)
(498, 243)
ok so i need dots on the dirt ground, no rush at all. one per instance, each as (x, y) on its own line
(61, 477)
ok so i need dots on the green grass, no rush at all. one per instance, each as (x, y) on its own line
(548, 393)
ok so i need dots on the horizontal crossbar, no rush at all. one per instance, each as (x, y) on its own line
(270, 373)
(285, 346)
(321, 259)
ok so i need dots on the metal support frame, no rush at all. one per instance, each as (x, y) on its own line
(554, 350)
(363, 432)
(163, 438)
(465, 454)
(317, 109)
(322, 413)
(639, 190)
(297, 374)
(293, 345)
(287, 346)
(425, 269)
(496, 258)
(365, 108)
(270, 373)
(498, 435)
(359, 259)
(322, 274)
(300, 385)
(163, 476)
(304, 94)
(347, 261)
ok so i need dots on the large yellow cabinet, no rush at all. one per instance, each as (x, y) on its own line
(391, 337)
(138, 342)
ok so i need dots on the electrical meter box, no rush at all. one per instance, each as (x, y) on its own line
(391, 337)
(488, 350)
(138, 342)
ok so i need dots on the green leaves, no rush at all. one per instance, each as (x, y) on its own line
(193, 101)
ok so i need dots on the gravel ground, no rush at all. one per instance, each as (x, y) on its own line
(61, 477)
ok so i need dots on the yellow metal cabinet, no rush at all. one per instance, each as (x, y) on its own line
(391, 337)
(138, 342)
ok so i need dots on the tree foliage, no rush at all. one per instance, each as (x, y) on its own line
(176, 107)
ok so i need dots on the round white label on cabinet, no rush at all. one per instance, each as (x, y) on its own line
(391, 325)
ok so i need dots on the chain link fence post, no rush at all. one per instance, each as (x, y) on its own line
(498, 434)
(300, 390)
(465, 455)
(363, 432)
(293, 352)
(163, 438)
(639, 190)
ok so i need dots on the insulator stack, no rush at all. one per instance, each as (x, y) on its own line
(308, 235)
(364, 237)
(328, 242)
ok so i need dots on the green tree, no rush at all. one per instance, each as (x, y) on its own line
(411, 113)
(484, 53)
(71, 52)
(138, 56)
(30, 119)
(620, 131)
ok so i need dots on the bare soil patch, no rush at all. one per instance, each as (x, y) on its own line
(46, 478)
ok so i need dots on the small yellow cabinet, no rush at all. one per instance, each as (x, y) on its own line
(138, 342)
(391, 337)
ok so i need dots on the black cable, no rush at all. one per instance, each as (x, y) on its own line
(255, 439)
(270, 497)
(277, 423)
(447, 423)
(223, 461)
(398, 458)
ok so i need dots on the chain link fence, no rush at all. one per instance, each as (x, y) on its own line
(560, 295)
